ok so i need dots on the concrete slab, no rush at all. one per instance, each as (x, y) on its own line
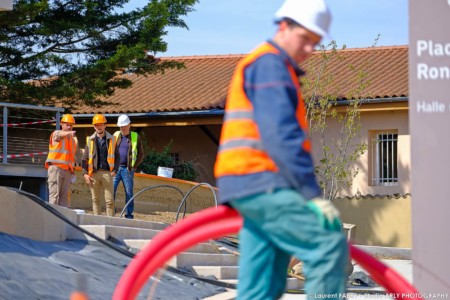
(88, 219)
(199, 248)
(187, 259)
(118, 232)
(22, 217)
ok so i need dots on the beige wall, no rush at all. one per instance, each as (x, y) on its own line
(376, 120)
(380, 221)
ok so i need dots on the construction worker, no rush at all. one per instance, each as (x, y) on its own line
(100, 164)
(131, 155)
(265, 171)
(61, 161)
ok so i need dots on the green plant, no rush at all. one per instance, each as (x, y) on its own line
(335, 168)
(155, 159)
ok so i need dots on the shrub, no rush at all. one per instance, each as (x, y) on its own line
(155, 159)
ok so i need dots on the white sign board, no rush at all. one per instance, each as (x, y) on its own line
(429, 111)
(6, 5)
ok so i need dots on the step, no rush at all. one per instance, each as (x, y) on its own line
(228, 295)
(118, 232)
(88, 219)
(291, 283)
(187, 259)
(220, 272)
(199, 248)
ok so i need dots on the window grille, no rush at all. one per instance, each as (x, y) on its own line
(384, 158)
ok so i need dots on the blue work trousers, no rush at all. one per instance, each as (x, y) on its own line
(127, 178)
(278, 225)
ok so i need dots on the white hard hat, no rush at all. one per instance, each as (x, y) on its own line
(314, 15)
(123, 121)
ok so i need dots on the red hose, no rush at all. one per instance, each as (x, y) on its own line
(213, 223)
(387, 277)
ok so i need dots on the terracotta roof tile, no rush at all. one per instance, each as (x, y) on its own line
(203, 84)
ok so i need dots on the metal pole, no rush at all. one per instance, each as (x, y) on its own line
(58, 117)
(5, 135)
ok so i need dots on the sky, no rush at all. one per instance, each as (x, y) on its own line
(237, 26)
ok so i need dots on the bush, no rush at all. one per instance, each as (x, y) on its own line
(154, 159)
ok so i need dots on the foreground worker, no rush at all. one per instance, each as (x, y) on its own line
(61, 161)
(264, 167)
(100, 164)
(131, 153)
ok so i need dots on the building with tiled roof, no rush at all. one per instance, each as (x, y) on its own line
(203, 84)
(186, 107)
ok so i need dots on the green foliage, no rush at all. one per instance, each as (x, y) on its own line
(155, 159)
(336, 167)
(186, 171)
(72, 51)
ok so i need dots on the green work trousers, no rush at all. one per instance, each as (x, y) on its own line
(278, 225)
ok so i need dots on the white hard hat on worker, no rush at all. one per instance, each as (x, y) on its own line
(123, 120)
(301, 26)
(313, 15)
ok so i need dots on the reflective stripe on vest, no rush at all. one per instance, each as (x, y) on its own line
(134, 138)
(62, 154)
(109, 159)
(241, 150)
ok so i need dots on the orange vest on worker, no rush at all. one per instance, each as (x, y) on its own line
(109, 159)
(241, 151)
(62, 154)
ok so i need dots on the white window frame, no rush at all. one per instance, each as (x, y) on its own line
(384, 158)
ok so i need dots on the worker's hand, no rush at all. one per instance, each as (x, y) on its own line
(113, 174)
(88, 179)
(326, 212)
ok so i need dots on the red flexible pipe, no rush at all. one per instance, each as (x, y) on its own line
(383, 275)
(134, 276)
(216, 222)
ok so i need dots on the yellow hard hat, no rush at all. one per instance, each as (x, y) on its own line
(68, 118)
(99, 119)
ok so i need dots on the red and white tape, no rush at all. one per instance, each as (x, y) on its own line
(24, 155)
(28, 123)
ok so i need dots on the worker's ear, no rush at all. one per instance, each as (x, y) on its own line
(283, 25)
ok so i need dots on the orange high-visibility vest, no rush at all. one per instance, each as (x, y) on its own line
(241, 151)
(62, 154)
(109, 159)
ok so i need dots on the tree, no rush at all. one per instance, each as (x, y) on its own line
(70, 52)
(335, 169)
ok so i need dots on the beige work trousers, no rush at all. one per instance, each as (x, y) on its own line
(102, 179)
(58, 185)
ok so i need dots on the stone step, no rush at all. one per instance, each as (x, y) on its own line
(118, 232)
(187, 259)
(199, 248)
(291, 283)
(220, 272)
(228, 295)
(88, 219)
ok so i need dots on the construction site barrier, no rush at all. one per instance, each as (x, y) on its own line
(213, 223)
(28, 123)
(24, 155)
